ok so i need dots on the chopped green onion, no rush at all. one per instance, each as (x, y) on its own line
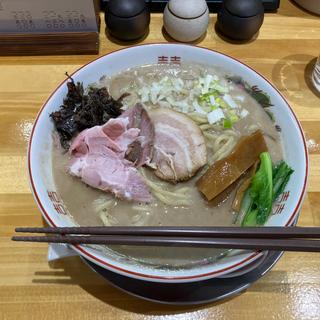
(215, 85)
(227, 124)
(222, 103)
(233, 118)
(206, 96)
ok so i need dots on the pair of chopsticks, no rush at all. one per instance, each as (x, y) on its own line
(256, 238)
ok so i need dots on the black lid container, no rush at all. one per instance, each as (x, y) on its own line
(127, 19)
(240, 19)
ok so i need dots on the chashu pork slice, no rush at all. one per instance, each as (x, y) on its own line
(140, 151)
(97, 158)
(179, 146)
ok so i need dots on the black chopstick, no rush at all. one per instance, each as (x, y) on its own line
(240, 243)
(212, 232)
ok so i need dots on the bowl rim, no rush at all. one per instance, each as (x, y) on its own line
(82, 250)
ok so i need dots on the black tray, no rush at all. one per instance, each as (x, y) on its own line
(214, 5)
(188, 293)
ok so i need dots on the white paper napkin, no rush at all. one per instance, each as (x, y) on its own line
(58, 251)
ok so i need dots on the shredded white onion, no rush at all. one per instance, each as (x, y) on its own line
(232, 104)
(198, 108)
(200, 95)
(215, 116)
(244, 113)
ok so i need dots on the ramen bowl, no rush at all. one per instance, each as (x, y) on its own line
(51, 204)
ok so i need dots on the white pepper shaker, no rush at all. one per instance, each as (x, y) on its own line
(186, 20)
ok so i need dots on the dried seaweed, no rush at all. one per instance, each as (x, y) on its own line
(81, 111)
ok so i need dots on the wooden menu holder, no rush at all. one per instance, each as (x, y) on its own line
(28, 40)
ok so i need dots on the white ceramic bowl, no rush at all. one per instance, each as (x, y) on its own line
(49, 201)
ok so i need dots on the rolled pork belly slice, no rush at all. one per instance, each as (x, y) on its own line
(179, 145)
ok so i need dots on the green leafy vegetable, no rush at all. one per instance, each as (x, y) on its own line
(261, 188)
(259, 193)
(260, 96)
(270, 114)
(245, 207)
(250, 219)
(267, 184)
(281, 175)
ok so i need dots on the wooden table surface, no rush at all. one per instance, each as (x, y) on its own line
(284, 52)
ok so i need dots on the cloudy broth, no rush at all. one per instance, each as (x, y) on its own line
(81, 200)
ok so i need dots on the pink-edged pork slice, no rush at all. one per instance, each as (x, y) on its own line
(97, 157)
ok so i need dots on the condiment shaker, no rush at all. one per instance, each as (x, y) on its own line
(240, 19)
(186, 20)
(127, 19)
